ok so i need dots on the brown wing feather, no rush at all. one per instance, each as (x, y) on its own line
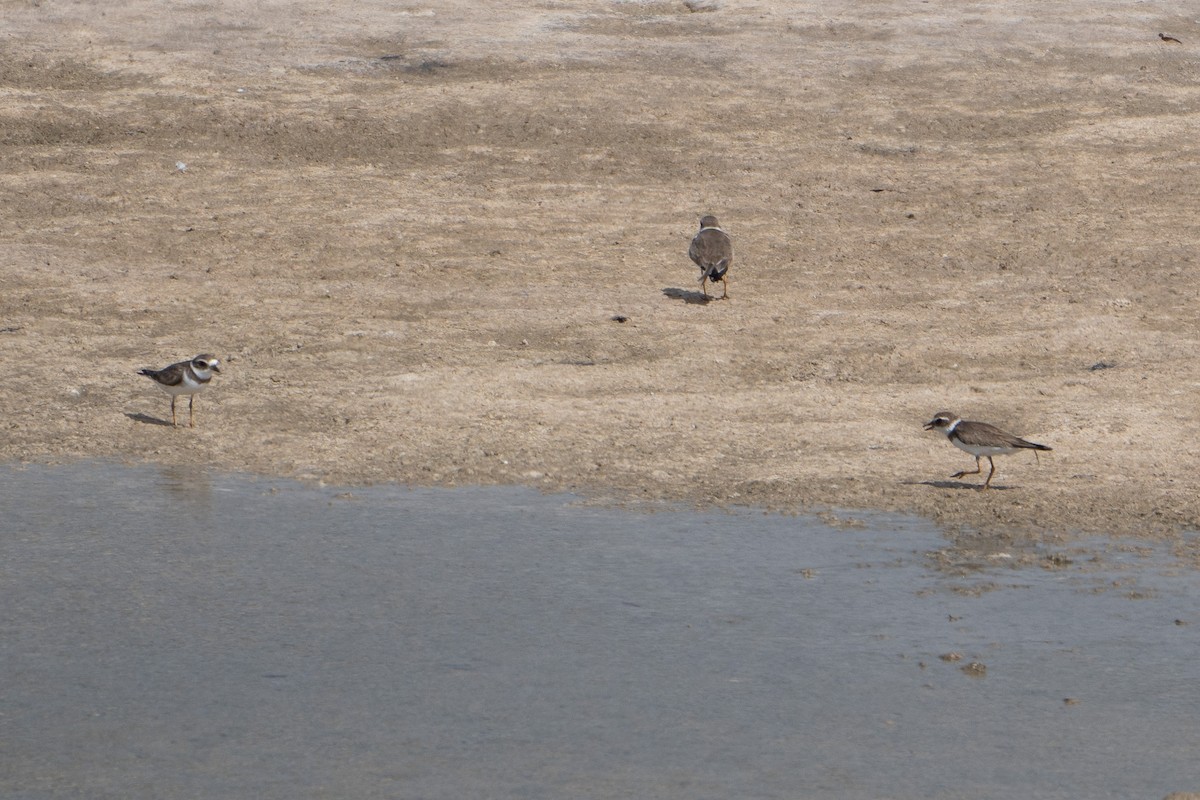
(710, 247)
(167, 376)
(981, 434)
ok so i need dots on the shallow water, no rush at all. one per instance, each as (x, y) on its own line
(170, 633)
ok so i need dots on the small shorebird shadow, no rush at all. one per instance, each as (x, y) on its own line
(146, 418)
(693, 298)
(957, 485)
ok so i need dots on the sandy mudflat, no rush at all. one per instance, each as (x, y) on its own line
(406, 229)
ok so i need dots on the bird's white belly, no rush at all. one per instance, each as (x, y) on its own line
(185, 386)
(983, 450)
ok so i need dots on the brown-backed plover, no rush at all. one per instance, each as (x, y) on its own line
(979, 439)
(186, 377)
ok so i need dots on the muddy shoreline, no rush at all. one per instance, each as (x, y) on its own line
(407, 232)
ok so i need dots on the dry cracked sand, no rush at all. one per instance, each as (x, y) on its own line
(407, 228)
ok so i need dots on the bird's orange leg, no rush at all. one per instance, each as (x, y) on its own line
(990, 474)
(724, 288)
(173, 411)
(976, 471)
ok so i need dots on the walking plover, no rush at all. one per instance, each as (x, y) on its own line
(712, 250)
(980, 440)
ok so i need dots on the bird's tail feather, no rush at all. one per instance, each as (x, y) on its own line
(715, 272)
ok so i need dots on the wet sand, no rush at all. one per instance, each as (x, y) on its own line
(407, 230)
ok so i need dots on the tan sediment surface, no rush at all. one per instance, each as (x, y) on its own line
(406, 229)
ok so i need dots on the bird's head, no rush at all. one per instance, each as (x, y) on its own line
(205, 363)
(942, 422)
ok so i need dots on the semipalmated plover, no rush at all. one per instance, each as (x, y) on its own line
(712, 250)
(186, 377)
(979, 439)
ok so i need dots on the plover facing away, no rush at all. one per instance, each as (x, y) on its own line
(185, 377)
(980, 440)
(712, 251)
